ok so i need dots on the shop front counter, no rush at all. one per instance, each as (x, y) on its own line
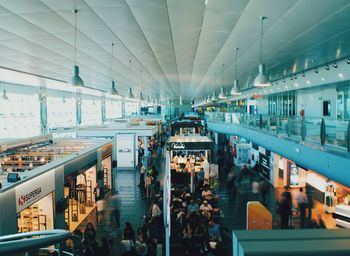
(342, 215)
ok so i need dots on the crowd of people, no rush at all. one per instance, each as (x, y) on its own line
(195, 219)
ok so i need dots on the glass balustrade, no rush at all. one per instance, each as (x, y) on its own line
(306, 129)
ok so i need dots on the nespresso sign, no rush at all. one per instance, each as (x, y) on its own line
(190, 145)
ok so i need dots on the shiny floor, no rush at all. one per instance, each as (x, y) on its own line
(133, 205)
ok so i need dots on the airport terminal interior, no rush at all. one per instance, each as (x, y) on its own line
(174, 127)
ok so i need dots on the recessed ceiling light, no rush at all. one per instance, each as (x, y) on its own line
(286, 86)
(348, 61)
(340, 75)
(302, 74)
(322, 78)
(326, 67)
(335, 65)
(308, 82)
(296, 84)
(316, 70)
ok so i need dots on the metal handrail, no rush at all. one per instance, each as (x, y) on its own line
(22, 242)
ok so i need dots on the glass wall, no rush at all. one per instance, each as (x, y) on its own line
(282, 104)
(91, 113)
(61, 111)
(131, 108)
(343, 101)
(19, 115)
(113, 109)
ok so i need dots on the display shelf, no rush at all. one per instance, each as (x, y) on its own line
(31, 220)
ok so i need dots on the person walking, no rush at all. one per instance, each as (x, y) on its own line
(284, 211)
(302, 203)
(142, 176)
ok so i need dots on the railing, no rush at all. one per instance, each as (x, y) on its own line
(27, 242)
(316, 130)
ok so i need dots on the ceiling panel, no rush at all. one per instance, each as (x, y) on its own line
(175, 46)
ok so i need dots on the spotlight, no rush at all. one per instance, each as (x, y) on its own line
(326, 67)
(291, 77)
(335, 65)
(284, 80)
(348, 61)
(295, 77)
(316, 70)
(302, 74)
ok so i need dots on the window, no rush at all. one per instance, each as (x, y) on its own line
(61, 111)
(91, 111)
(113, 109)
(19, 116)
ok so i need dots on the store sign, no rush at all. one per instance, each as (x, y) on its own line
(177, 146)
(33, 190)
(265, 165)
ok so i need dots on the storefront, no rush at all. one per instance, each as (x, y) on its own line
(186, 127)
(81, 192)
(35, 203)
(187, 155)
(125, 136)
(50, 183)
(334, 197)
(287, 172)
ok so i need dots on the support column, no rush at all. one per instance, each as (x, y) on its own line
(103, 109)
(78, 108)
(43, 110)
(123, 107)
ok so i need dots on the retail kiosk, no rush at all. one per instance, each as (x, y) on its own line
(187, 153)
(125, 139)
(49, 183)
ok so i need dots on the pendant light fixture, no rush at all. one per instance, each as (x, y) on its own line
(235, 89)
(141, 98)
(76, 79)
(222, 94)
(262, 80)
(214, 98)
(131, 95)
(113, 90)
(208, 99)
(4, 96)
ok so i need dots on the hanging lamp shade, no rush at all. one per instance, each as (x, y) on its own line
(76, 79)
(261, 79)
(141, 98)
(131, 95)
(235, 89)
(222, 94)
(214, 98)
(4, 96)
(208, 99)
(113, 89)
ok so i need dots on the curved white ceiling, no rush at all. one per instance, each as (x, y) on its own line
(168, 48)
